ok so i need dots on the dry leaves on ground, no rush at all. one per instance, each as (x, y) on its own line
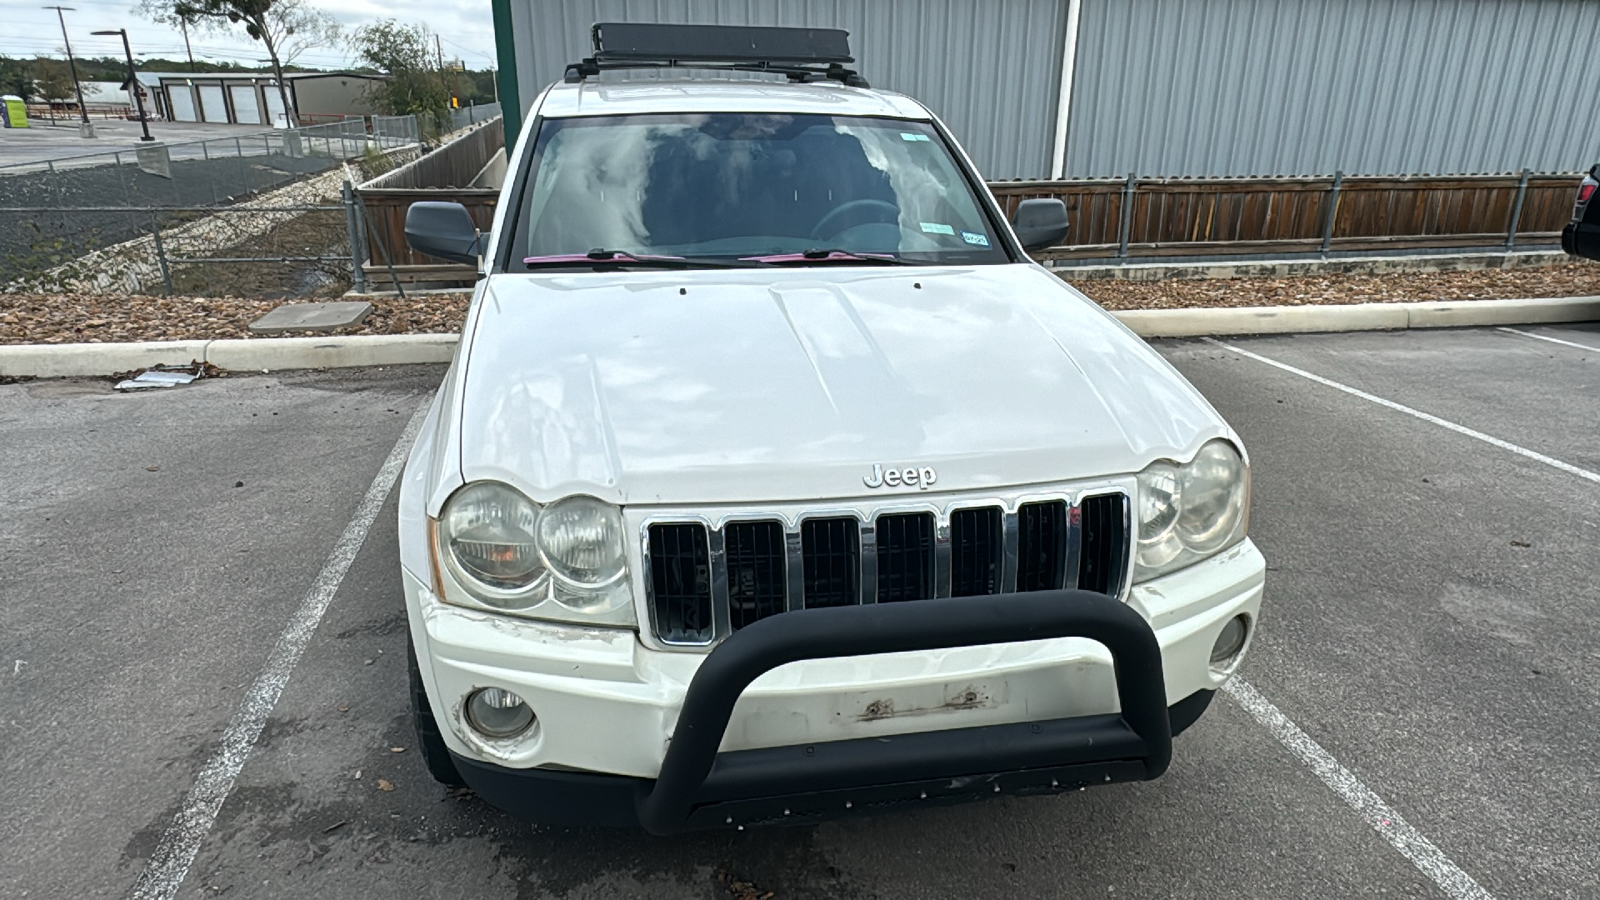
(105, 318)
(1581, 279)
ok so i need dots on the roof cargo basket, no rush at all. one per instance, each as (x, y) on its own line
(803, 54)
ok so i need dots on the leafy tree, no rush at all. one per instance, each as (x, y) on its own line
(53, 78)
(285, 28)
(405, 53)
(16, 79)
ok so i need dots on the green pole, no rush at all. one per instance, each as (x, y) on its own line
(506, 79)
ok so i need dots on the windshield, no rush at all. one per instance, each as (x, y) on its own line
(747, 188)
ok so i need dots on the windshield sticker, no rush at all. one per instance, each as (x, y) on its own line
(976, 240)
(936, 228)
(914, 137)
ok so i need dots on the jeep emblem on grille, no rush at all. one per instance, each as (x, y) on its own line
(908, 477)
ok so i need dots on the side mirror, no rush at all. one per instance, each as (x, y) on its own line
(444, 230)
(1039, 223)
(1581, 237)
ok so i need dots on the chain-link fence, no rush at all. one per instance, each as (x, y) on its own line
(128, 219)
(264, 215)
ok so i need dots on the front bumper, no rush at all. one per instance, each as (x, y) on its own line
(803, 785)
(1023, 697)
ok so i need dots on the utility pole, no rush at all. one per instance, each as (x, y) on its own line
(439, 49)
(86, 129)
(185, 26)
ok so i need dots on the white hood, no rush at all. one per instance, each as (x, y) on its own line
(753, 385)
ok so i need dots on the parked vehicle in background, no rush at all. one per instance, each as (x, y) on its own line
(1581, 237)
(772, 481)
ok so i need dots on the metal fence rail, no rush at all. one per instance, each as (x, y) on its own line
(472, 115)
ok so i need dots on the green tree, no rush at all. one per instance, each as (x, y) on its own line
(285, 28)
(406, 54)
(16, 79)
(53, 79)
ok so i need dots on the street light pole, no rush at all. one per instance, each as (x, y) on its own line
(87, 130)
(133, 81)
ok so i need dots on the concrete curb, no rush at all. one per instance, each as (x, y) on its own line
(74, 360)
(71, 360)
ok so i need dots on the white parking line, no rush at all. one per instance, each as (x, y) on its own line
(180, 842)
(1546, 337)
(1420, 851)
(1550, 461)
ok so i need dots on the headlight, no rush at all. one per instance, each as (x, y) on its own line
(1189, 512)
(566, 561)
(582, 541)
(488, 532)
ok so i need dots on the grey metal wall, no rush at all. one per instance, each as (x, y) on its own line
(1303, 87)
(988, 68)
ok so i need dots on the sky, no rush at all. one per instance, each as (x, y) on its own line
(27, 30)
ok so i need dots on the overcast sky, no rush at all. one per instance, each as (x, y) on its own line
(465, 26)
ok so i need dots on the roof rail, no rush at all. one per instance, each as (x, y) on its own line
(803, 54)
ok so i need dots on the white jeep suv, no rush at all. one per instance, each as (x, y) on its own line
(772, 481)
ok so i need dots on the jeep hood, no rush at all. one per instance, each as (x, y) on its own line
(743, 386)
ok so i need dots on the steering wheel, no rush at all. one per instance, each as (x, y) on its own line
(877, 210)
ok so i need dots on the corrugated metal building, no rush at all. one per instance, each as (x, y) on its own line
(1088, 88)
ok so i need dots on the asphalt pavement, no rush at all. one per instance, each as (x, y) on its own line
(60, 141)
(1418, 719)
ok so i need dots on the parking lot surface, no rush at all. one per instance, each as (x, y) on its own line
(42, 141)
(1418, 717)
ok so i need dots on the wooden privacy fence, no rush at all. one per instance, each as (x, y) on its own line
(454, 164)
(1145, 217)
(1140, 217)
(443, 174)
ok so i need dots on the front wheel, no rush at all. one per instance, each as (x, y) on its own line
(429, 742)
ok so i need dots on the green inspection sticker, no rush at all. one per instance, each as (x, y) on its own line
(936, 228)
(914, 137)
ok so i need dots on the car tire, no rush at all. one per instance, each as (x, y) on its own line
(429, 742)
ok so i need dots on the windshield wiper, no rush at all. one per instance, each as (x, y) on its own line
(624, 258)
(826, 255)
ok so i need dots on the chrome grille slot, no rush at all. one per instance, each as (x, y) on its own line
(1105, 543)
(706, 577)
(757, 580)
(831, 554)
(976, 545)
(680, 583)
(1042, 555)
(905, 557)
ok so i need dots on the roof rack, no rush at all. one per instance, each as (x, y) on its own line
(803, 54)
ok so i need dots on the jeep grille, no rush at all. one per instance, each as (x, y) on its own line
(705, 582)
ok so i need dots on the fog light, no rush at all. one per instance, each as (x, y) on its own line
(498, 713)
(1230, 641)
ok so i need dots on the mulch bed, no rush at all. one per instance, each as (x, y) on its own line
(107, 318)
(1579, 279)
(95, 318)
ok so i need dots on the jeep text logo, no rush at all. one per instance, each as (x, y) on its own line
(880, 477)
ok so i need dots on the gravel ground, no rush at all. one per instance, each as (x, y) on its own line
(47, 318)
(1578, 279)
(51, 230)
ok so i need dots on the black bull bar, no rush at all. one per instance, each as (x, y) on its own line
(700, 788)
